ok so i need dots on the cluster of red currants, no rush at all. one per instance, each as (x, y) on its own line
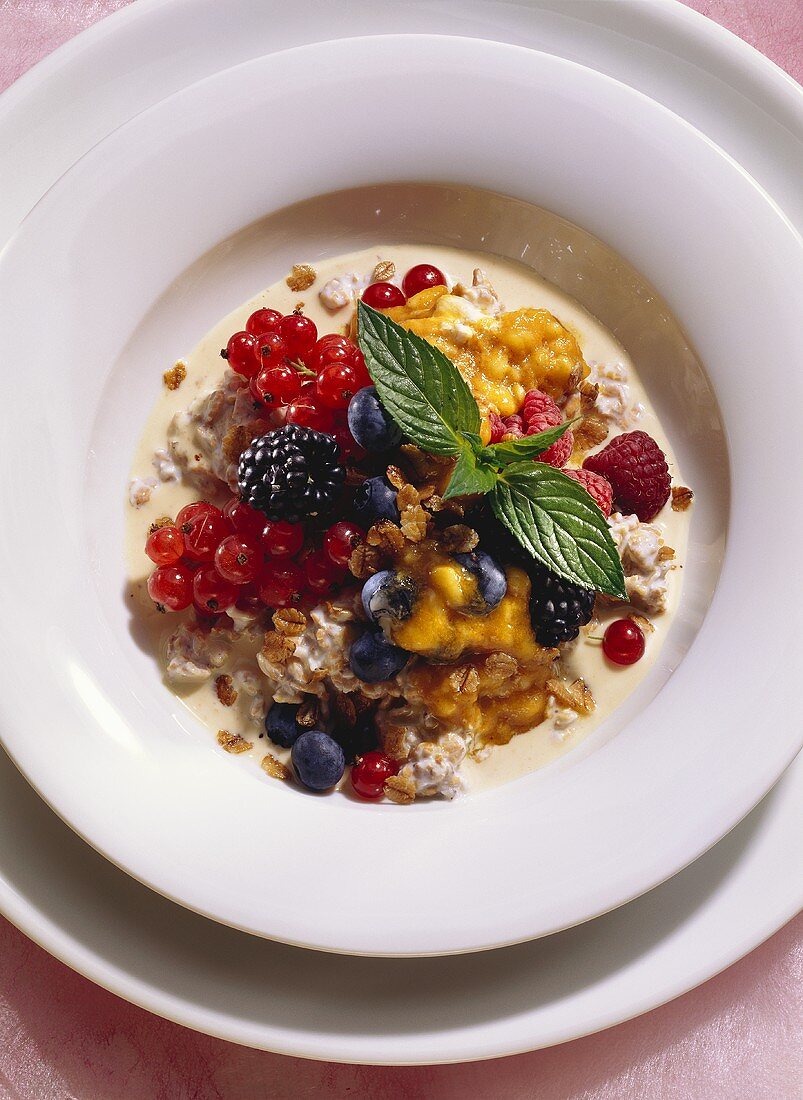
(312, 379)
(288, 367)
(216, 559)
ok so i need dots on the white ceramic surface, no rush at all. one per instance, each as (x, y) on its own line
(127, 938)
(119, 229)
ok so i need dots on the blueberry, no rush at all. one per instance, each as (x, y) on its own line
(389, 594)
(375, 499)
(491, 581)
(318, 760)
(370, 423)
(281, 726)
(374, 659)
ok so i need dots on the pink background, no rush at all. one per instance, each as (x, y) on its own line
(738, 1037)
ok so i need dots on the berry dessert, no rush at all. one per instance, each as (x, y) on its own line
(414, 534)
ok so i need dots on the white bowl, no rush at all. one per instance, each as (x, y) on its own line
(115, 272)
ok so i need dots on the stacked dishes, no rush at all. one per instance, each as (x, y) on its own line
(107, 683)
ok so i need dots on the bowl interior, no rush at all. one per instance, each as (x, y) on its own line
(142, 246)
(471, 219)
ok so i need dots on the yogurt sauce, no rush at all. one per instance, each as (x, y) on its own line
(517, 287)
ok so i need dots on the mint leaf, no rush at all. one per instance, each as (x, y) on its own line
(474, 442)
(556, 520)
(529, 446)
(419, 386)
(470, 476)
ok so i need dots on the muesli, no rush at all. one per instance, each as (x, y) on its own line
(405, 531)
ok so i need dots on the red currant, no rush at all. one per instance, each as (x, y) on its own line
(262, 321)
(358, 362)
(299, 334)
(242, 519)
(422, 277)
(623, 642)
(241, 354)
(349, 447)
(333, 340)
(165, 545)
(190, 511)
(322, 573)
(203, 534)
(341, 539)
(210, 592)
(272, 349)
(307, 410)
(369, 774)
(281, 584)
(330, 349)
(337, 383)
(237, 560)
(252, 388)
(170, 587)
(277, 385)
(248, 599)
(281, 539)
(203, 614)
(383, 296)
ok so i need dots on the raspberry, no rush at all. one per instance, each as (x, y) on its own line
(540, 409)
(635, 466)
(558, 454)
(597, 486)
(497, 425)
(513, 425)
(540, 412)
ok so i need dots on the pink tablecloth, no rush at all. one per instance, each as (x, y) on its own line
(738, 1037)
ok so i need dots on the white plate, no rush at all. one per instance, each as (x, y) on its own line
(126, 938)
(126, 223)
(389, 1011)
(678, 57)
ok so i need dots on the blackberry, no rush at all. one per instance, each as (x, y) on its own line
(558, 608)
(291, 473)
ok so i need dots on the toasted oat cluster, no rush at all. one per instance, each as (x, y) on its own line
(176, 375)
(301, 277)
(336, 600)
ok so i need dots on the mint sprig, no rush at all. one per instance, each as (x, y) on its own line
(551, 515)
(471, 475)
